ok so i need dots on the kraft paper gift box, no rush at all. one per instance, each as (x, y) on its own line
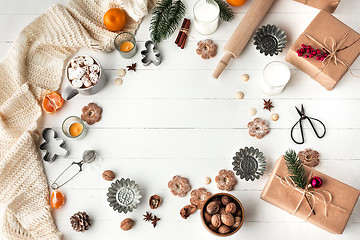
(326, 31)
(331, 216)
(327, 5)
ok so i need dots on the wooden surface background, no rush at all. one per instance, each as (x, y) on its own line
(175, 119)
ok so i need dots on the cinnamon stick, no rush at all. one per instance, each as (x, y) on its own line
(187, 24)
(180, 32)
(186, 35)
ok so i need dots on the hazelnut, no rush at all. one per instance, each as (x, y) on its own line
(108, 175)
(127, 224)
(118, 82)
(207, 217)
(154, 201)
(186, 211)
(274, 116)
(252, 111)
(212, 207)
(224, 229)
(227, 219)
(245, 77)
(216, 220)
(213, 228)
(231, 208)
(237, 222)
(207, 180)
(222, 210)
(218, 201)
(121, 72)
(225, 200)
(239, 95)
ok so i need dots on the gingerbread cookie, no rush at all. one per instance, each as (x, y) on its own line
(91, 113)
(206, 49)
(309, 157)
(258, 128)
(199, 197)
(226, 180)
(179, 186)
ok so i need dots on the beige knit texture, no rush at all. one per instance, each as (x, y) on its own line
(35, 63)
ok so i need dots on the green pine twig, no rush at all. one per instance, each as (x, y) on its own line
(166, 16)
(295, 168)
(226, 12)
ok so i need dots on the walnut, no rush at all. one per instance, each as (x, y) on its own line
(231, 208)
(213, 228)
(238, 213)
(237, 222)
(207, 217)
(127, 224)
(154, 201)
(216, 220)
(186, 211)
(108, 175)
(212, 207)
(224, 229)
(222, 210)
(227, 219)
(225, 200)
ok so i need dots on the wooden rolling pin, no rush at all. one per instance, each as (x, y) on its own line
(243, 33)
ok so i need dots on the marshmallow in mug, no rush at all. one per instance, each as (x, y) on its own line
(83, 72)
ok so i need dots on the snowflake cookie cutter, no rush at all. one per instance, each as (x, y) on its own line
(151, 49)
(49, 156)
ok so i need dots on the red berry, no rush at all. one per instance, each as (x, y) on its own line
(298, 51)
(308, 50)
(318, 58)
(325, 55)
(310, 55)
(300, 54)
(322, 58)
(318, 51)
(302, 50)
(313, 52)
(309, 46)
(303, 45)
(306, 56)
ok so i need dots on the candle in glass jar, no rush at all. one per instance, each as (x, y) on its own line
(275, 77)
(206, 16)
(126, 45)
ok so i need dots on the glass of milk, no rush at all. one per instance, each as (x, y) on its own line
(206, 16)
(275, 77)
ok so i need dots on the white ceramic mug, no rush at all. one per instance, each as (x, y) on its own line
(71, 91)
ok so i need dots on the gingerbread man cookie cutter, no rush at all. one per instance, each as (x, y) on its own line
(48, 143)
(151, 49)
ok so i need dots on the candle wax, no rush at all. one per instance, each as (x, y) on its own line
(126, 46)
(76, 129)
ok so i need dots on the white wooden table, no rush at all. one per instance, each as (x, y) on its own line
(175, 119)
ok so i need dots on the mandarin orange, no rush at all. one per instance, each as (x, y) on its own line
(236, 3)
(52, 101)
(115, 19)
(57, 199)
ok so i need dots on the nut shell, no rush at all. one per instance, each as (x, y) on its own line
(213, 228)
(127, 224)
(207, 217)
(108, 175)
(227, 219)
(231, 208)
(224, 229)
(186, 211)
(216, 220)
(212, 208)
(237, 222)
(154, 201)
(225, 200)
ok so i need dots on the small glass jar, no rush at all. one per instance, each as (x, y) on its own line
(125, 43)
(74, 127)
(275, 77)
(206, 16)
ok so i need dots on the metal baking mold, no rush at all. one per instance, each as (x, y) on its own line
(270, 40)
(249, 163)
(124, 195)
(147, 59)
(49, 157)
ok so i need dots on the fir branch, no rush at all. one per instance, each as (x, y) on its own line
(226, 12)
(166, 17)
(295, 168)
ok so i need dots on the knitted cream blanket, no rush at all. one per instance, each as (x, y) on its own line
(34, 63)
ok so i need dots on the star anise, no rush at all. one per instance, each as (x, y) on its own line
(132, 67)
(154, 220)
(268, 105)
(148, 217)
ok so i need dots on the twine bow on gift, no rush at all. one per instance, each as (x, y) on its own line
(332, 50)
(323, 196)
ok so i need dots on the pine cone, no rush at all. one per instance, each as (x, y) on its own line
(80, 221)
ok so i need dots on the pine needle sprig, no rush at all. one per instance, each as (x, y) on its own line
(226, 12)
(166, 17)
(295, 168)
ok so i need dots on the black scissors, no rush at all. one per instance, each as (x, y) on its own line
(310, 119)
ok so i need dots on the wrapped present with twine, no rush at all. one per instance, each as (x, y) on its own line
(327, 5)
(328, 207)
(340, 43)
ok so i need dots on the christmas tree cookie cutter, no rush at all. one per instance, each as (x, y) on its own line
(151, 54)
(51, 141)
